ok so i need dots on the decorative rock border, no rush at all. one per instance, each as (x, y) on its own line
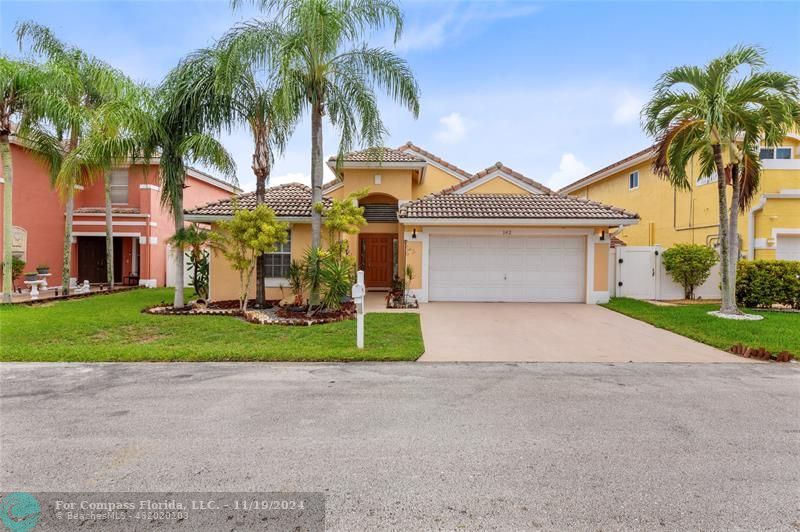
(760, 353)
(740, 317)
(256, 316)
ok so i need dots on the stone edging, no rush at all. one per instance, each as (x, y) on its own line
(251, 316)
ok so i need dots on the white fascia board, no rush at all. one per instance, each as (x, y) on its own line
(113, 215)
(611, 171)
(211, 180)
(593, 222)
(502, 175)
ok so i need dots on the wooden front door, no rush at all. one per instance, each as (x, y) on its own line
(377, 259)
(92, 259)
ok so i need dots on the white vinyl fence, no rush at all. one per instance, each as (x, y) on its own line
(638, 272)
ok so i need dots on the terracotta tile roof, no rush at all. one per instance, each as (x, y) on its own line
(292, 200)
(102, 210)
(621, 162)
(495, 167)
(532, 206)
(331, 183)
(379, 155)
(410, 146)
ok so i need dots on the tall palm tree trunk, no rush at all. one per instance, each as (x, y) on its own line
(67, 264)
(728, 307)
(109, 232)
(178, 258)
(316, 183)
(733, 232)
(261, 170)
(8, 177)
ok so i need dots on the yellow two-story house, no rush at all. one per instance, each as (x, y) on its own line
(769, 229)
(494, 235)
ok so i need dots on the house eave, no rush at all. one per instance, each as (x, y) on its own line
(572, 222)
(211, 218)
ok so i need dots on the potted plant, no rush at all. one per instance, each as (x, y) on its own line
(43, 269)
(31, 276)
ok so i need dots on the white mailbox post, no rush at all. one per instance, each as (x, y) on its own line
(358, 297)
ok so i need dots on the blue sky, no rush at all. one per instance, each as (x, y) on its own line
(551, 89)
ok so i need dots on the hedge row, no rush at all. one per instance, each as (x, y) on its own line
(763, 283)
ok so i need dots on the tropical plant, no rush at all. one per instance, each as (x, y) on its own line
(244, 238)
(409, 274)
(195, 241)
(323, 68)
(342, 216)
(237, 89)
(79, 84)
(313, 262)
(183, 136)
(689, 265)
(717, 112)
(336, 280)
(295, 276)
(20, 81)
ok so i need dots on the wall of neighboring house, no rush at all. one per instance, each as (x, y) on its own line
(39, 211)
(36, 210)
(435, 180)
(669, 217)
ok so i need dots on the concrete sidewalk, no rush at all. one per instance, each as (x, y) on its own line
(551, 332)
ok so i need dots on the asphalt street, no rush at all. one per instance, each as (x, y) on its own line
(424, 446)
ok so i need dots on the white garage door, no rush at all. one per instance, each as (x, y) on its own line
(493, 268)
(788, 247)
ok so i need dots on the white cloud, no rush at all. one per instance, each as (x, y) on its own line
(291, 177)
(452, 128)
(569, 169)
(629, 105)
(457, 20)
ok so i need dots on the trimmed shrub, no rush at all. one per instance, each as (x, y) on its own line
(689, 265)
(764, 283)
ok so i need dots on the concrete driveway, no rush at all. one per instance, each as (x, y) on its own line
(551, 332)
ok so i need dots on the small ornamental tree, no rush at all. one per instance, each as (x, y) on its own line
(342, 217)
(689, 265)
(247, 236)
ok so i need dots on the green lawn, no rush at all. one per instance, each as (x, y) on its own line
(113, 328)
(778, 331)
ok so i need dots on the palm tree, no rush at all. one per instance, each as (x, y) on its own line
(719, 112)
(181, 138)
(79, 84)
(314, 44)
(238, 90)
(196, 240)
(113, 137)
(19, 83)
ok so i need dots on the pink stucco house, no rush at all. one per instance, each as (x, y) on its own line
(141, 224)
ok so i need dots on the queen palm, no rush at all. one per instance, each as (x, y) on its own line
(79, 84)
(21, 82)
(181, 138)
(314, 44)
(717, 112)
(236, 89)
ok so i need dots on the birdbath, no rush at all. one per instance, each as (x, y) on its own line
(35, 287)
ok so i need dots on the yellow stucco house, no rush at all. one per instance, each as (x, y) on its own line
(495, 235)
(770, 229)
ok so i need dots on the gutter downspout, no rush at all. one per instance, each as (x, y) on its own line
(751, 228)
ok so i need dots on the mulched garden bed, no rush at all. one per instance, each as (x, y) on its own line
(273, 315)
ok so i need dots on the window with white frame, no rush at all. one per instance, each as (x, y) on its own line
(633, 180)
(276, 264)
(778, 152)
(119, 186)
